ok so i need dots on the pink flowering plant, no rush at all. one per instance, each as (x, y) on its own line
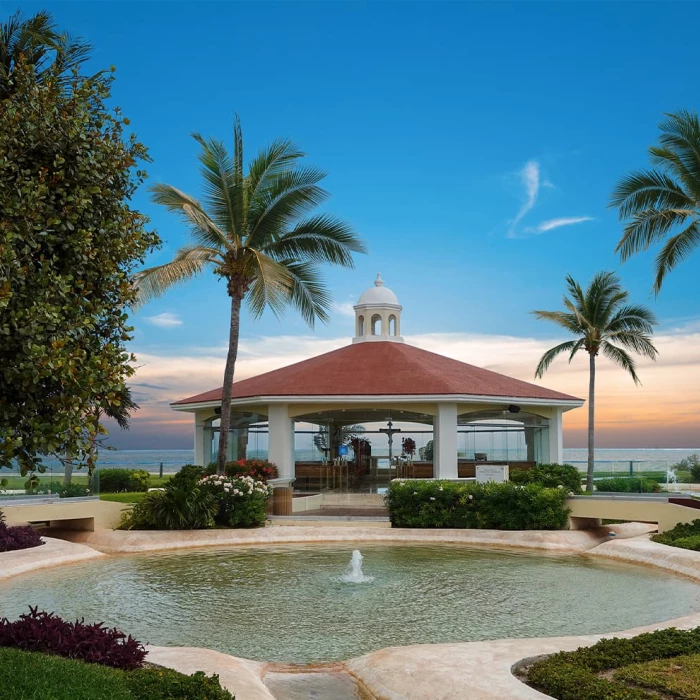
(242, 500)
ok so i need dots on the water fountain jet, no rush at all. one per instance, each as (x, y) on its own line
(354, 573)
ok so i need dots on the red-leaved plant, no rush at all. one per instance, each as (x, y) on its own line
(45, 632)
(17, 537)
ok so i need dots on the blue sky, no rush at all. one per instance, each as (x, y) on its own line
(457, 137)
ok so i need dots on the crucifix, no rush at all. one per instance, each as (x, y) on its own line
(389, 431)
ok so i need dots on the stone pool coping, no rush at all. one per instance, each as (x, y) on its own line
(478, 670)
(565, 541)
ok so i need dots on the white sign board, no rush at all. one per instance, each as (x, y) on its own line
(497, 473)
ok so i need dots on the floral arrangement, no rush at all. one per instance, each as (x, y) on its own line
(242, 500)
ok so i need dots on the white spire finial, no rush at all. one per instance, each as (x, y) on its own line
(379, 282)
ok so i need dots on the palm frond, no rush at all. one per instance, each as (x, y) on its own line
(551, 354)
(189, 209)
(217, 169)
(621, 358)
(648, 189)
(567, 321)
(636, 341)
(674, 251)
(309, 295)
(632, 317)
(189, 262)
(288, 196)
(680, 138)
(272, 161)
(321, 238)
(647, 227)
(271, 286)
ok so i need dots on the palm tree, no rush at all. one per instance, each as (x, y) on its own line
(256, 232)
(37, 42)
(663, 199)
(601, 320)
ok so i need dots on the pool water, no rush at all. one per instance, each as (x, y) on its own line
(291, 604)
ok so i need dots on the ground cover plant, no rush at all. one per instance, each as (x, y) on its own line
(17, 537)
(627, 484)
(683, 535)
(550, 475)
(128, 497)
(446, 504)
(639, 668)
(26, 675)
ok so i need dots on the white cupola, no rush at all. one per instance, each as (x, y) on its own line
(377, 315)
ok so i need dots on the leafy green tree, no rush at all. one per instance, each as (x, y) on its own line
(69, 243)
(36, 42)
(663, 203)
(602, 320)
(253, 231)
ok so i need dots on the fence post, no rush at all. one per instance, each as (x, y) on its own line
(160, 472)
(631, 468)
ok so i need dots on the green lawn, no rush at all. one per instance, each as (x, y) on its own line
(132, 497)
(28, 675)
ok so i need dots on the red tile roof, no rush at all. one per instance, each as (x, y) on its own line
(377, 369)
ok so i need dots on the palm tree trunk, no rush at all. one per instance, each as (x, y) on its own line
(591, 424)
(228, 381)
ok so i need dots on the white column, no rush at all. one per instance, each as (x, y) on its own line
(200, 438)
(281, 439)
(445, 441)
(556, 438)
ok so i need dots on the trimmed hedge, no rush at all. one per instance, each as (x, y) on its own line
(550, 475)
(449, 504)
(627, 484)
(683, 535)
(26, 675)
(118, 480)
(572, 675)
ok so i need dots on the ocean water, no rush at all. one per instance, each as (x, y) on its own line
(607, 460)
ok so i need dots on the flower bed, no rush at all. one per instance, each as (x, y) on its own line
(448, 504)
(242, 501)
(585, 674)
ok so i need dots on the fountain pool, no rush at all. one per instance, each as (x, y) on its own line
(303, 604)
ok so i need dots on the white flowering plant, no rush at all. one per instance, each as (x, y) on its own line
(242, 500)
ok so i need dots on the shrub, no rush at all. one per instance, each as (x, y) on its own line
(17, 537)
(550, 475)
(418, 503)
(174, 508)
(572, 675)
(94, 643)
(683, 535)
(118, 480)
(242, 501)
(627, 484)
(188, 475)
(164, 684)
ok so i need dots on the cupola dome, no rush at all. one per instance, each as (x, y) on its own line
(377, 314)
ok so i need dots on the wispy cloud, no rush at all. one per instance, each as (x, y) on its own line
(530, 178)
(551, 224)
(533, 181)
(344, 309)
(165, 320)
